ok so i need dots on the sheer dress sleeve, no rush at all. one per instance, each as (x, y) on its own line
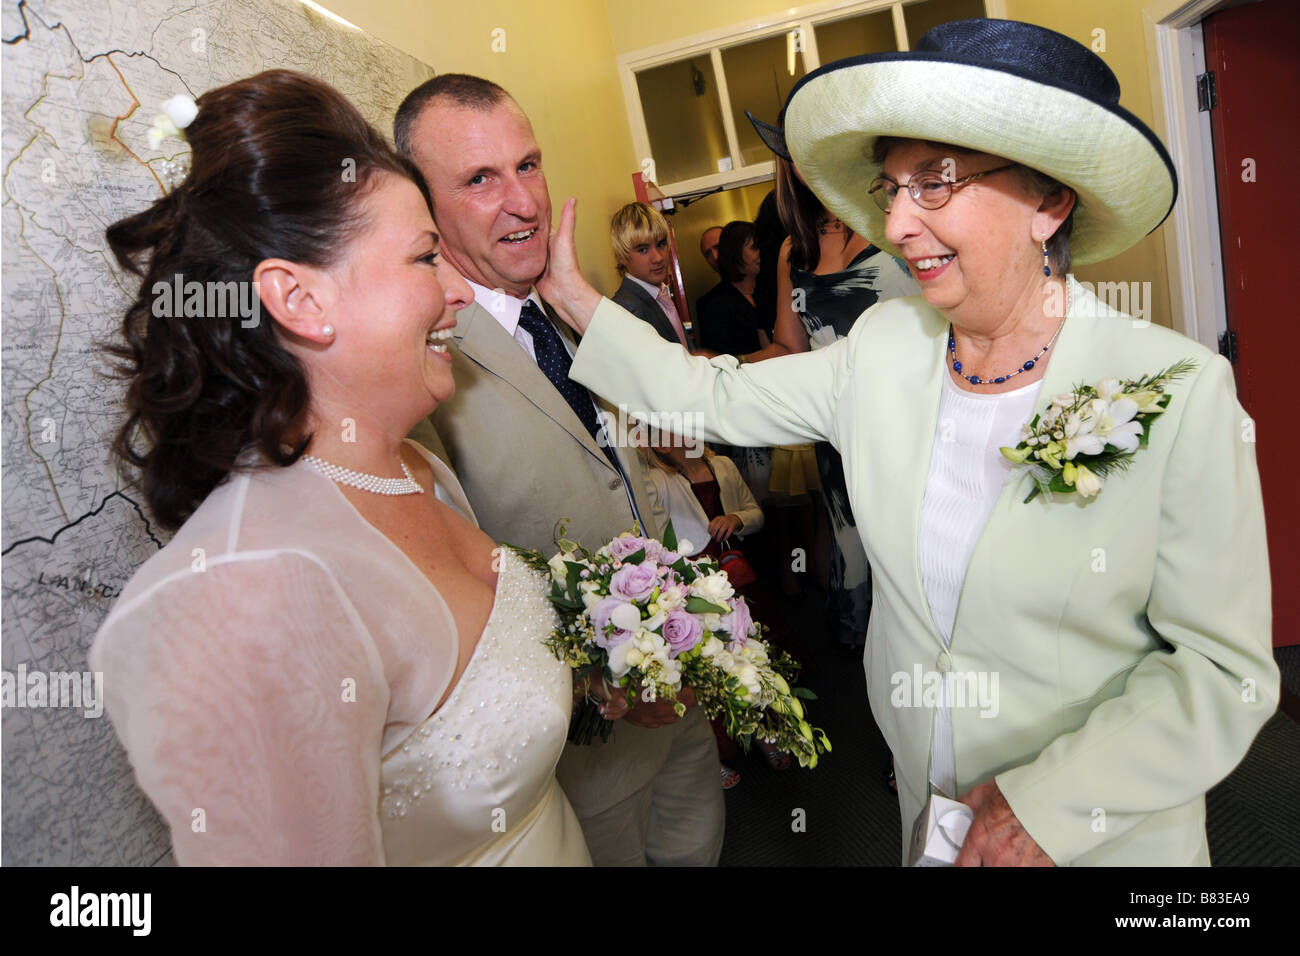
(252, 702)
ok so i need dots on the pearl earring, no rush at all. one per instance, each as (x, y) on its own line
(1047, 270)
(327, 331)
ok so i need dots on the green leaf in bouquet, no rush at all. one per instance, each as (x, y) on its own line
(697, 605)
(803, 692)
(573, 574)
(636, 557)
(685, 571)
(1058, 484)
(670, 536)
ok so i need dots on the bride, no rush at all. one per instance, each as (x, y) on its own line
(329, 663)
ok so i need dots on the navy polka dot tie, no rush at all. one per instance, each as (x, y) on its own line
(554, 361)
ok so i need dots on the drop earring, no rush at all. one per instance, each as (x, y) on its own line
(1047, 270)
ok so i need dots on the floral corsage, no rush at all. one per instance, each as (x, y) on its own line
(1086, 434)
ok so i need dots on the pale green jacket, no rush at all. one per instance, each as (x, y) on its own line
(1129, 633)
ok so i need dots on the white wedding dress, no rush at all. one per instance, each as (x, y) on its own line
(273, 674)
(475, 783)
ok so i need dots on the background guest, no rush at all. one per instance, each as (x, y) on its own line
(711, 506)
(639, 236)
(729, 323)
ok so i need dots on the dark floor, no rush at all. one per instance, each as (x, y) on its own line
(850, 818)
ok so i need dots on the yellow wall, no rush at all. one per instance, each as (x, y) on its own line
(560, 65)
(560, 62)
(634, 24)
(1125, 54)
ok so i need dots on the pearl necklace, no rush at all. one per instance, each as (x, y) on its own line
(371, 483)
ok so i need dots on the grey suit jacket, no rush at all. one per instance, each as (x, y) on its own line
(523, 457)
(644, 306)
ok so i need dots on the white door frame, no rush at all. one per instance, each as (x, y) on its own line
(1193, 251)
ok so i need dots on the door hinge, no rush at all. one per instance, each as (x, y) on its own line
(1207, 94)
(1228, 345)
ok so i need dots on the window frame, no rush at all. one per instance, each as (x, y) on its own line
(804, 18)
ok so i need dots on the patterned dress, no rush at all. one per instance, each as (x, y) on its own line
(828, 307)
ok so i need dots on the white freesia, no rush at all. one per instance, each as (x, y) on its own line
(725, 661)
(654, 621)
(1085, 482)
(710, 648)
(670, 598)
(1147, 400)
(626, 617)
(714, 588)
(1107, 388)
(685, 547)
(623, 657)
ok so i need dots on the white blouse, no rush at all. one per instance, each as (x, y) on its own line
(967, 473)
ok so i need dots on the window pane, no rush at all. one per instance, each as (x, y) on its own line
(683, 119)
(872, 33)
(920, 17)
(758, 80)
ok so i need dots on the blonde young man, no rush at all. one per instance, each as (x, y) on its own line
(639, 235)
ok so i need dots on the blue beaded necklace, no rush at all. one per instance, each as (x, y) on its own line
(976, 380)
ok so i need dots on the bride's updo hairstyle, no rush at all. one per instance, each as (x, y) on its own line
(281, 164)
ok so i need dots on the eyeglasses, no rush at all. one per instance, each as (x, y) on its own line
(928, 188)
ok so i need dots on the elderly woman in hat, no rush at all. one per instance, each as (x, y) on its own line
(1082, 666)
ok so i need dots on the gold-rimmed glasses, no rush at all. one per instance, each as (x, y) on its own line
(929, 188)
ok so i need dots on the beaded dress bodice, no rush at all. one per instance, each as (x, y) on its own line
(477, 778)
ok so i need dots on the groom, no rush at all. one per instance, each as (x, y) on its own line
(525, 442)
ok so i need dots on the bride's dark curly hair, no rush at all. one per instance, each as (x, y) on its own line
(281, 163)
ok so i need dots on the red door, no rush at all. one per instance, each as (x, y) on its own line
(1252, 51)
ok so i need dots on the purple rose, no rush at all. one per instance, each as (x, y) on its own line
(600, 614)
(634, 582)
(681, 631)
(739, 622)
(621, 547)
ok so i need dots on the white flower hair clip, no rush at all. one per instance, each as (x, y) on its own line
(177, 113)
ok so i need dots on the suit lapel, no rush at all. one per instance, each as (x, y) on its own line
(481, 339)
(909, 438)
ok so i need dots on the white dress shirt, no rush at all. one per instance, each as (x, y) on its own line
(505, 308)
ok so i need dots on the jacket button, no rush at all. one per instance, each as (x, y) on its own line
(616, 483)
(945, 663)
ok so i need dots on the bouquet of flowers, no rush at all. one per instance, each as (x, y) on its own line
(644, 616)
(1086, 434)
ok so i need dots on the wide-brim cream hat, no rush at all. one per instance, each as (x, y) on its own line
(1001, 87)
